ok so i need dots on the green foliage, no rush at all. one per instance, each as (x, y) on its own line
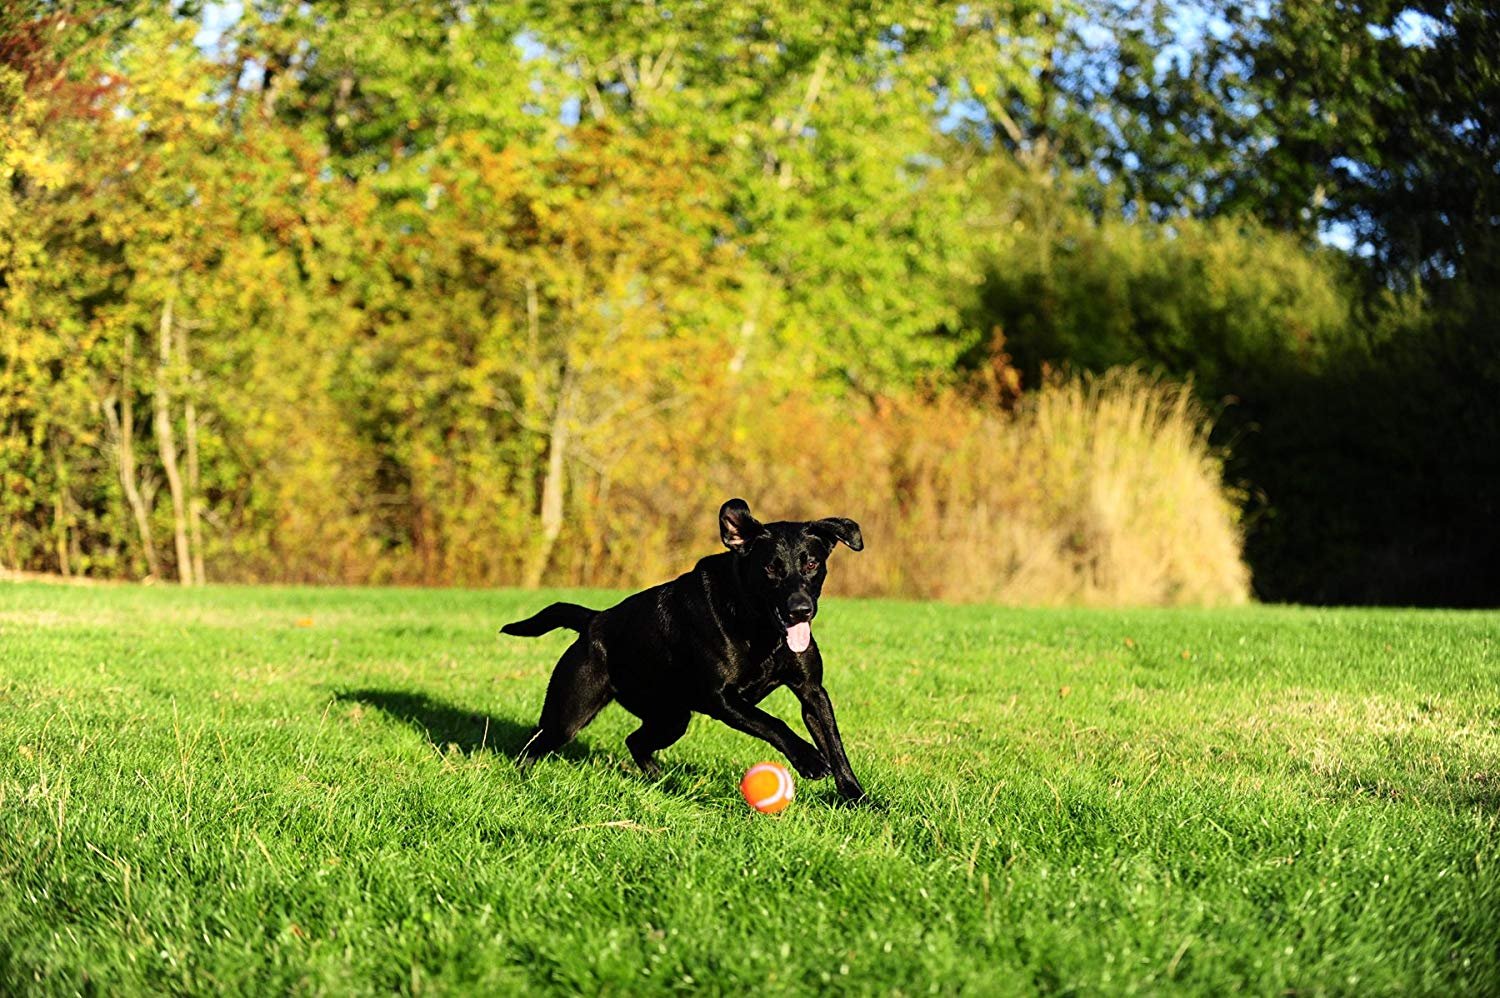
(381, 85)
(1229, 302)
(821, 119)
(262, 790)
(1362, 434)
(443, 292)
(361, 295)
(1368, 115)
(1377, 466)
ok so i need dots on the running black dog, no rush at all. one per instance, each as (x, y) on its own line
(716, 640)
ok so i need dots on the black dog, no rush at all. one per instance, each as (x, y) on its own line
(716, 640)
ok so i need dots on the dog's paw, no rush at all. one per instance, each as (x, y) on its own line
(852, 792)
(811, 765)
(863, 802)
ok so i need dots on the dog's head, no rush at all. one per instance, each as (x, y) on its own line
(783, 565)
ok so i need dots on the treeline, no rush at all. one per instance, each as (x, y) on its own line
(514, 293)
(1356, 391)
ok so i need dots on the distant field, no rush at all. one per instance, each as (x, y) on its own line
(255, 790)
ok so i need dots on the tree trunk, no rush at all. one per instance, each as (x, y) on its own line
(749, 327)
(166, 443)
(122, 428)
(60, 514)
(555, 484)
(194, 479)
(533, 338)
(195, 495)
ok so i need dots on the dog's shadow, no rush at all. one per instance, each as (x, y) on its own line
(444, 724)
(473, 732)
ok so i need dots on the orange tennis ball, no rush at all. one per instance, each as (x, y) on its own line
(767, 787)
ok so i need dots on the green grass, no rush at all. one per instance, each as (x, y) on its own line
(257, 790)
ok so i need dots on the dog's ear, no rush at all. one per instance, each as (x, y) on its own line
(737, 528)
(839, 528)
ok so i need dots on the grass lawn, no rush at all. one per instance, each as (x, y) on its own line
(263, 790)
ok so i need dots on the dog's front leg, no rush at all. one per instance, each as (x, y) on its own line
(817, 714)
(735, 711)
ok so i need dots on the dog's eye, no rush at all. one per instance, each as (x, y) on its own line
(809, 567)
(772, 572)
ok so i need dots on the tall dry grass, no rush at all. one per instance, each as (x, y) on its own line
(1094, 490)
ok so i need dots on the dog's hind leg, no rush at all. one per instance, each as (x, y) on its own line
(578, 690)
(656, 732)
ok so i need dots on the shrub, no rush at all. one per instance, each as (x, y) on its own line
(1095, 490)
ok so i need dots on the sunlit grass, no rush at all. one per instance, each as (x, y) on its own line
(261, 790)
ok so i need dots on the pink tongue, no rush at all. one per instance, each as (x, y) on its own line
(798, 637)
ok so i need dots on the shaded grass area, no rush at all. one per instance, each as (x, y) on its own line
(258, 789)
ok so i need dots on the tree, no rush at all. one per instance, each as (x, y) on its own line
(53, 96)
(824, 119)
(1369, 118)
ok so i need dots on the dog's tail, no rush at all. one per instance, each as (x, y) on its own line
(569, 615)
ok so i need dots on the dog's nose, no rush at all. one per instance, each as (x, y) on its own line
(799, 607)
